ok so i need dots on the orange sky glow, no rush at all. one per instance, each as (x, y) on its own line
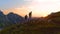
(39, 8)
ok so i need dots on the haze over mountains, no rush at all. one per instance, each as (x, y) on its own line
(19, 11)
(24, 11)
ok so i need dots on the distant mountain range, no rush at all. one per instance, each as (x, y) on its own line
(9, 19)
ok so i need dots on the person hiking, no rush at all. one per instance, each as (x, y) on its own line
(30, 14)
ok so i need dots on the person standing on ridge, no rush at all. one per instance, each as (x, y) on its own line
(26, 17)
(30, 14)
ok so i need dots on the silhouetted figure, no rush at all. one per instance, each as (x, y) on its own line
(26, 17)
(30, 14)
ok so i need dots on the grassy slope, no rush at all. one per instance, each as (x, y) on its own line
(33, 27)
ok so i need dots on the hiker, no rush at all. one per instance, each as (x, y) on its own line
(30, 14)
(26, 17)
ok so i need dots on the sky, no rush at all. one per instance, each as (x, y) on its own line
(38, 7)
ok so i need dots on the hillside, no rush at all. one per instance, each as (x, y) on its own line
(47, 25)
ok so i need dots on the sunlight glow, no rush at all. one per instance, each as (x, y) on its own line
(38, 7)
(44, 7)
